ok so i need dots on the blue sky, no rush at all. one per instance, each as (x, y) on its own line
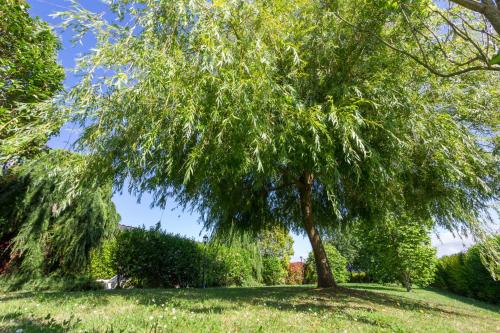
(132, 212)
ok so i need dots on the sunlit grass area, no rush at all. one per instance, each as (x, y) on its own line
(362, 308)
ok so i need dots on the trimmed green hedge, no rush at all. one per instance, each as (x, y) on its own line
(465, 274)
(156, 259)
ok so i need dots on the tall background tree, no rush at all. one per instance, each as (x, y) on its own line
(263, 113)
(276, 248)
(29, 75)
(397, 251)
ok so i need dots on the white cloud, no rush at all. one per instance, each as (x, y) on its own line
(448, 244)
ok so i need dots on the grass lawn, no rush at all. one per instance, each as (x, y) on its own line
(363, 308)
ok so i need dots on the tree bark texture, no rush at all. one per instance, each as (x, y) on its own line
(325, 275)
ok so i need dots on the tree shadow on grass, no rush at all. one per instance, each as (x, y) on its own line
(13, 321)
(96, 297)
(378, 287)
(466, 300)
(297, 299)
(277, 297)
(462, 299)
(351, 304)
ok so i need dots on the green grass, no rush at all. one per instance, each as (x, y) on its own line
(363, 308)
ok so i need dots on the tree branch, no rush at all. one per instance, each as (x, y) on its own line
(417, 59)
(276, 188)
(471, 4)
(486, 8)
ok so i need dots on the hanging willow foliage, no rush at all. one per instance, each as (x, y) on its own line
(257, 113)
(52, 233)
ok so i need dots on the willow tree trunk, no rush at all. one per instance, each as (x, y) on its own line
(325, 276)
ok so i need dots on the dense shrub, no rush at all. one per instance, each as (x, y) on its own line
(153, 258)
(359, 277)
(397, 250)
(157, 259)
(276, 247)
(450, 273)
(273, 272)
(102, 261)
(295, 273)
(229, 266)
(481, 284)
(465, 274)
(338, 265)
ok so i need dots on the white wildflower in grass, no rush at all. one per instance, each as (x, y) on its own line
(19, 330)
(173, 310)
(151, 318)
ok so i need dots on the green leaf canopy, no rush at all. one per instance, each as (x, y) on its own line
(49, 220)
(241, 109)
(29, 76)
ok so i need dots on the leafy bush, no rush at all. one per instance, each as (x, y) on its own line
(450, 274)
(338, 265)
(102, 261)
(481, 284)
(276, 247)
(295, 273)
(229, 266)
(359, 277)
(466, 274)
(273, 272)
(397, 250)
(157, 259)
(153, 258)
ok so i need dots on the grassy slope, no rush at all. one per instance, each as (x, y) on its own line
(365, 308)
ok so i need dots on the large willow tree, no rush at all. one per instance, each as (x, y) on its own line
(257, 113)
